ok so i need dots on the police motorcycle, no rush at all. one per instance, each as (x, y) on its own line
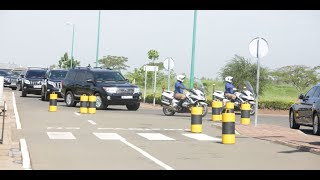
(246, 95)
(194, 98)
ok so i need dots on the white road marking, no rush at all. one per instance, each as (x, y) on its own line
(145, 129)
(16, 114)
(203, 137)
(76, 113)
(59, 127)
(299, 131)
(60, 135)
(155, 137)
(108, 136)
(236, 132)
(147, 155)
(62, 128)
(92, 122)
(25, 155)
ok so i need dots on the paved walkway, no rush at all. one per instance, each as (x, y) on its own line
(10, 154)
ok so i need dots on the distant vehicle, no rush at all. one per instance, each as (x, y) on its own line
(109, 87)
(15, 73)
(306, 112)
(6, 77)
(32, 81)
(52, 83)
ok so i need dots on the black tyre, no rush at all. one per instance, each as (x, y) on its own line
(168, 112)
(19, 87)
(316, 124)
(133, 107)
(99, 103)
(204, 110)
(252, 109)
(42, 95)
(23, 93)
(292, 121)
(69, 99)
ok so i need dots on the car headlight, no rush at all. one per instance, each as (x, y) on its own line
(52, 83)
(110, 89)
(7, 79)
(27, 81)
(136, 90)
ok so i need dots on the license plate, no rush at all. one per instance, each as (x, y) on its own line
(126, 97)
(59, 90)
(13, 83)
(36, 86)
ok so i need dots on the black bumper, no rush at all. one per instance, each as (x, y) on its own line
(120, 99)
(31, 90)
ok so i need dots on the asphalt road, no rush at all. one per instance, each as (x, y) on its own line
(120, 139)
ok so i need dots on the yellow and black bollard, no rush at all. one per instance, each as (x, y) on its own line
(245, 114)
(84, 104)
(92, 104)
(53, 102)
(196, 119)
(228, 127)
(230, 106)
(216, 110)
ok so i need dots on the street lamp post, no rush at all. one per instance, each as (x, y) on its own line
(193, 48)
(69, 23)
(97, 54)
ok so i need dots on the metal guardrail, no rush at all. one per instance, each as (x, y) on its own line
(3, 115)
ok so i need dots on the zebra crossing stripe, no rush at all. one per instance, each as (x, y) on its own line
(60, 135)
(155, 137)
(108, 136)
(202, 137)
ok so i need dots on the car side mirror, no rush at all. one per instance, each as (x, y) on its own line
(127, 80)
(22, 76)
(90, 81)
(301, 96)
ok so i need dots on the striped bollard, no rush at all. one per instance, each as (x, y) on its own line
(84, 104)
(216, 110)
(245, 114)
(196, 119)
(230, 106)
(92, 104)
(228, 127)
(53, 102)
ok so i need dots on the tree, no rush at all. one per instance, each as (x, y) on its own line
(114, 62)
(153, 55)
(65, 62)
(242, 69)
(53, 66)
(300, 76)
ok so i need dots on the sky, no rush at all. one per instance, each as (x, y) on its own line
(41, 37)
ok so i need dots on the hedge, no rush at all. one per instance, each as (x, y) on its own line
(272, 105)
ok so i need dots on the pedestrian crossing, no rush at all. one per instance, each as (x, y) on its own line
(143, 136)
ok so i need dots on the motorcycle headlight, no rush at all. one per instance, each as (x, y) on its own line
(27, 81)
(110, 89)
(136, 90)
(52, 83)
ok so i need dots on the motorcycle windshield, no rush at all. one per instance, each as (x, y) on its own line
(198, 85)
(248, 86)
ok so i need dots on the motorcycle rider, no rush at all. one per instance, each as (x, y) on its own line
(229, 88)
(178, 90)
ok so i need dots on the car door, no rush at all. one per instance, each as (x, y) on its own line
(304, 107)
(79, 83)
(88, 87)
(310, 105)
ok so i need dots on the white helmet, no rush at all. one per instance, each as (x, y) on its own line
(181, 77)
(229, 79)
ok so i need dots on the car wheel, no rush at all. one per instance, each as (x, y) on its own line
(20, 87)
(133, 107)
(69, 99)
(316, 124)
(99, 102)
(292, 121)
(42, 95)
(23, 93)
(46, 96)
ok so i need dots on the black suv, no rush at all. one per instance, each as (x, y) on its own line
(109, 86)
(306, 111)
(6, 77)
(52, 83)
(32, 81)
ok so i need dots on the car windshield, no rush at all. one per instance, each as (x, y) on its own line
(3, 73)
(36, 74)
(57, 74)
(108, 76)
(17, 73)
